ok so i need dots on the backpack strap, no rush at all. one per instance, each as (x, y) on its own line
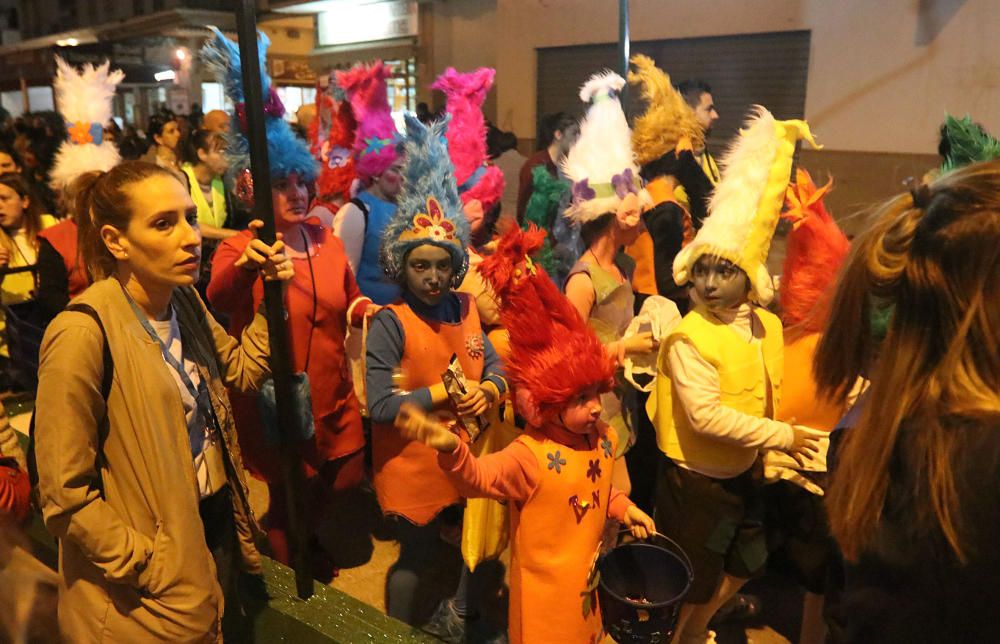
(106, 379)
(363, 207)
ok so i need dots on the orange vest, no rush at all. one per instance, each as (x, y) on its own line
(641, 250)
(62, 236)
(554, 542)
(799, 399)
(408, 480)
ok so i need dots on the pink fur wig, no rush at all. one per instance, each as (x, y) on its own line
(376, 138)
(464, 94)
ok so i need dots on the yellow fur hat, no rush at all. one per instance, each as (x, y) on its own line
(747, 202)
(668, 118)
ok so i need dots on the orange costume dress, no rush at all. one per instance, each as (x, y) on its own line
(799, 398)
(559, 487)
(408, 481)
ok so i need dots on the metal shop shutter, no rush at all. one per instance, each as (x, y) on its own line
(769, 69)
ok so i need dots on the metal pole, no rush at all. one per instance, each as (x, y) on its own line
(623, 38)
(281, 371)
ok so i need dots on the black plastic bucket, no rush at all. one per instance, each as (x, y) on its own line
(642, 587)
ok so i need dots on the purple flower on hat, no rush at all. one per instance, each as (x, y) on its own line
(582, 191)
(273, 107)
(624, 183)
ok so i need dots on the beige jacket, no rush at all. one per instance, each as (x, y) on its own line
(133, 562)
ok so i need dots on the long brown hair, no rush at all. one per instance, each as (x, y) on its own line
(32, 220)
(102, 199)
(934, 257)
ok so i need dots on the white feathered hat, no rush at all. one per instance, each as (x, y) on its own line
(84, 100)
(601, 164)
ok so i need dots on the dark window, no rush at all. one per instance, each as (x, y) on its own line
(768, 69)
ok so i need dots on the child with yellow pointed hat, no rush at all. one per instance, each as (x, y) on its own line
(718, 377)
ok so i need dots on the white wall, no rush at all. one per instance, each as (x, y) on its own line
(882, 73)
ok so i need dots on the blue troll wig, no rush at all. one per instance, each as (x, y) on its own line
(430, 210)
(286, 152)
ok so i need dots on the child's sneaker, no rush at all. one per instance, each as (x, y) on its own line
(446, 624)
(705, 637)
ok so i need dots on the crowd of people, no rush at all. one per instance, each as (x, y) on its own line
(526, 353)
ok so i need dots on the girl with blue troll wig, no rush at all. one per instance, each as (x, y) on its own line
(411, 342)
(322, 298)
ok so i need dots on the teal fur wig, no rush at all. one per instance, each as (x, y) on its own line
(429, 176)
(287, 153)
(964, 142)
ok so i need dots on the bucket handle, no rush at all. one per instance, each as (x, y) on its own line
(680, 551)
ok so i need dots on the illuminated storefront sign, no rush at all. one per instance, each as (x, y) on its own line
(366, 22)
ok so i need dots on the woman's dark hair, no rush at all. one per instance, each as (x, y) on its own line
(102, 199)
(692, 90)
(550, 124)
(33, 213)
(12, 153)
(202, 140)
(591, 230)
(488, 229)
(158, 121)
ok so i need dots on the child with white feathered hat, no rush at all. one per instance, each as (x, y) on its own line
(83, 98)
(608, 200)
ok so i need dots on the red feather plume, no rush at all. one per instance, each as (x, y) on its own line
(554, 354)
(816, 250)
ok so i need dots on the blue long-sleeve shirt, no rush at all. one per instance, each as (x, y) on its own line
(385, 343)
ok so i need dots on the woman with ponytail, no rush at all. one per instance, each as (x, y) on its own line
(912, 500)
(140, 476)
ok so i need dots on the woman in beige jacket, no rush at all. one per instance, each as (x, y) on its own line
(140, 476)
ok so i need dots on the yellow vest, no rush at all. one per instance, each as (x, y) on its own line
(18, 287)
(741, 366)
(214, 214)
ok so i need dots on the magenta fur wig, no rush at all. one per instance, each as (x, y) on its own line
(376, 138)
(465, 94)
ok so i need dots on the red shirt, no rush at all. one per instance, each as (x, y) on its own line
(525, 181)
(336, 413)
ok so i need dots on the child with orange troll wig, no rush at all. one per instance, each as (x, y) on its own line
(557, 475)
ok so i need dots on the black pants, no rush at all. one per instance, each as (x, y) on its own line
(719, 523)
